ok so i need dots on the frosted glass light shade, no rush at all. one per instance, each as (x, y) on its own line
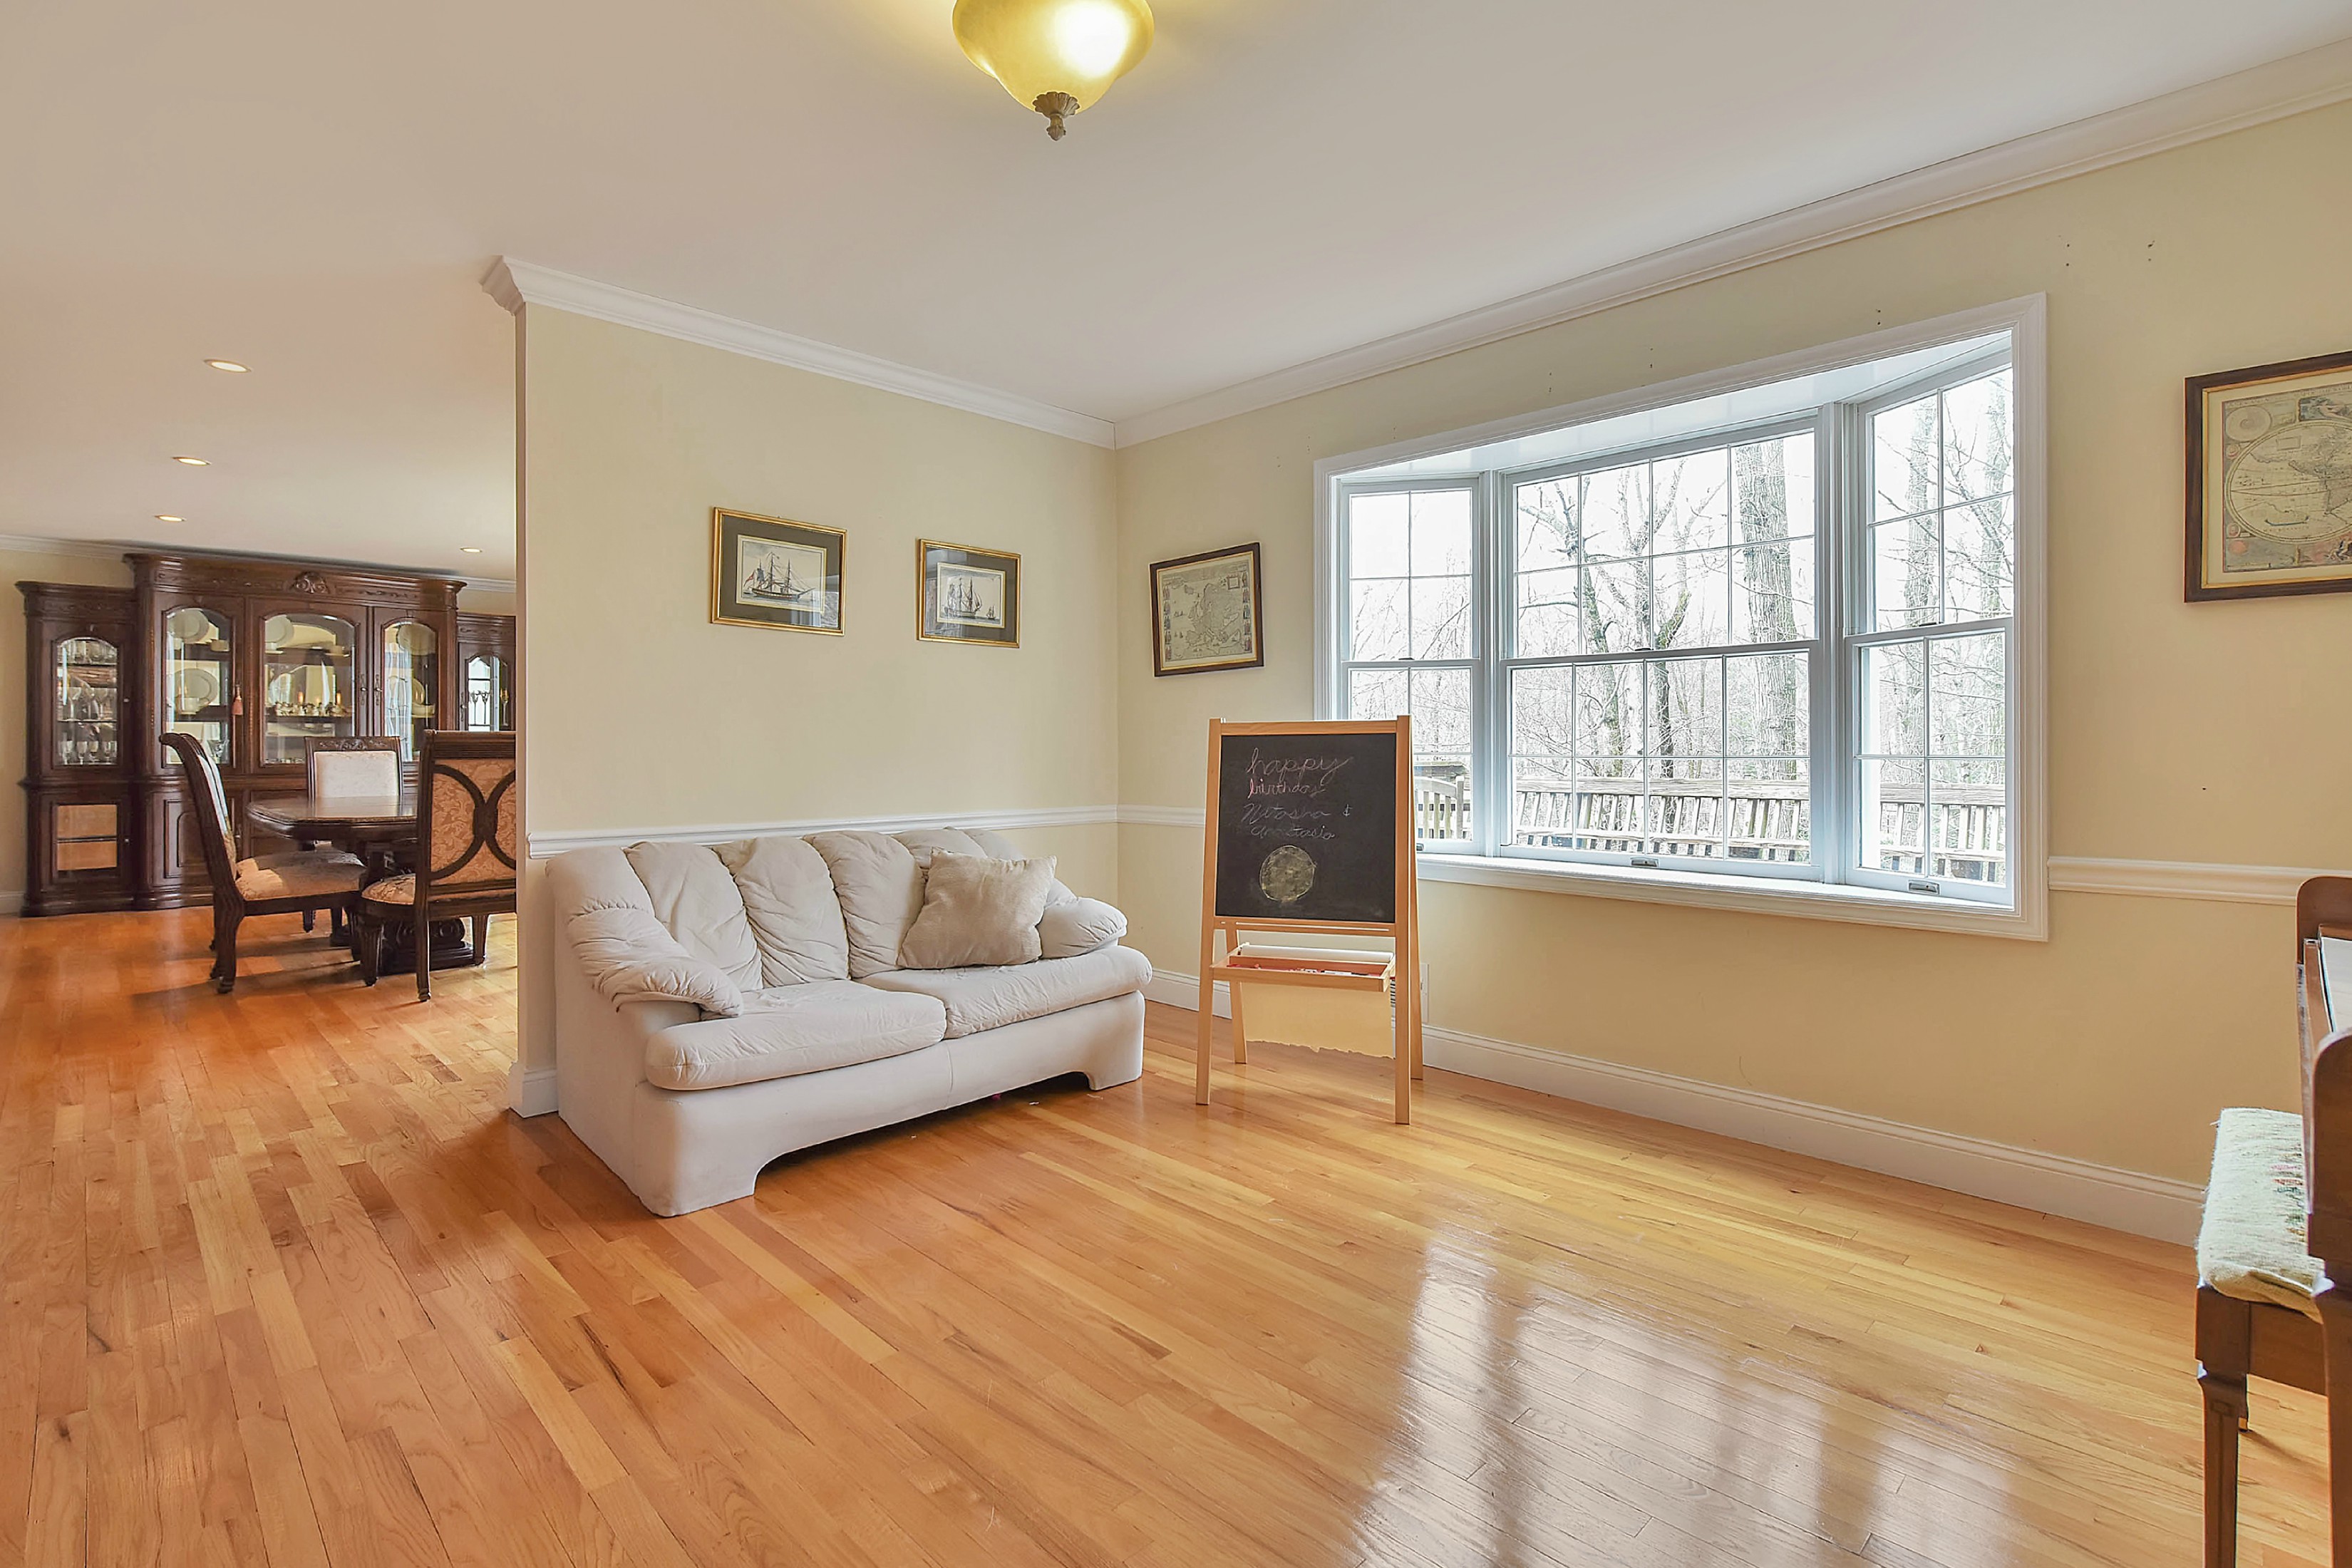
(1057, 57)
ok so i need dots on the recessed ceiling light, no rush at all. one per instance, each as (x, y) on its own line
(167, 517)
(195, 462)
(229, 364)
(470, 549)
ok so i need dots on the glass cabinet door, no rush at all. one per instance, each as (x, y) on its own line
(198, 684)
(412, 683)
(88, 726)
(489, 697)
(307, 690)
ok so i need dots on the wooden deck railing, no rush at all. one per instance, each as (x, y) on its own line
(1964, 836)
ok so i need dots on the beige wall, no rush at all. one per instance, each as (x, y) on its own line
(642, 714)
(103, 569)
(2210, 732)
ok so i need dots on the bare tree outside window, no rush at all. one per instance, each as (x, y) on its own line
(1934, 769)
(1633, 646)
(1685, 754)
(1410, 637)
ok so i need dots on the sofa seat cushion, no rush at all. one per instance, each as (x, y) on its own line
(2250, 1245)
(979, 999)
(788, 1030)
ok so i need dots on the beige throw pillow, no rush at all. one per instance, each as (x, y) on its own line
(977, 911)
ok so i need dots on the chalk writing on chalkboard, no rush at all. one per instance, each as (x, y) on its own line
(1307, 827)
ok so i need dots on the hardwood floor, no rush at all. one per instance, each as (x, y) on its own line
(285, 1285)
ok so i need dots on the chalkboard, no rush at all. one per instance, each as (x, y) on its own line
(1307, 827)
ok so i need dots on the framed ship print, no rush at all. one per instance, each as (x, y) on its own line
(768, 572)
(1206, 613)
(2270, 480)
(966, 595)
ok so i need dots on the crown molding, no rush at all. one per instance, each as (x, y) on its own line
(515, 284)
(30, 545)
(2313, 79)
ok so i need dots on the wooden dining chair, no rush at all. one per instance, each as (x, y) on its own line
(349, 766)
(352, 765)
(465, 848)
(273, 885)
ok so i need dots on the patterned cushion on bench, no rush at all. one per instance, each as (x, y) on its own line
(2251, 1244)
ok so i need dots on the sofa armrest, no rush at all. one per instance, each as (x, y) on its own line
(1078, 926)
(630, 957)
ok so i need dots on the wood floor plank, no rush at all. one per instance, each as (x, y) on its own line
(284, 1284)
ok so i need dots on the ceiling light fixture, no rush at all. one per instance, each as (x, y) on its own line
(470, 549)
(1055, 55)
(195, 462)
(167, 517)
(229, 364)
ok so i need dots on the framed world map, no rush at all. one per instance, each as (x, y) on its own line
(2270, 480)
(1205, 613)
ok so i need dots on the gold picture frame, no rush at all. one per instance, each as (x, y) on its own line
(775, 573)
(1208, 611)
(964, 593)
(2270, 480)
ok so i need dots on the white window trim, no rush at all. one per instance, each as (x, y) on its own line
(2025, 320)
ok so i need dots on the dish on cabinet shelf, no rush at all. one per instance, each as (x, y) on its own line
(195, 690)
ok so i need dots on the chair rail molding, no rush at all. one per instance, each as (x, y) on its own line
(2122, 1200)
(543, 846)
(515, 283)
(2312, 79)
(2219, 884)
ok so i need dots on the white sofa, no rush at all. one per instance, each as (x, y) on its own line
(828, 1036)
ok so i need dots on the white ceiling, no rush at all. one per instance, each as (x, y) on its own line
(316, 190)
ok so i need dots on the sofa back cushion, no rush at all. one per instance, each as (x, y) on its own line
(997, 846)
(881, 891)
(691, 892)
(788, 899)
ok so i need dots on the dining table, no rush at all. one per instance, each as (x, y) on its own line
(380, 829)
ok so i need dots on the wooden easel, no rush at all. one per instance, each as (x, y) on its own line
(1246, 964)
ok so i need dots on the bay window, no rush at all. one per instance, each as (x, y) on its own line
(1763, 639)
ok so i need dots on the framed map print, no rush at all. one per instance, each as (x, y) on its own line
(2270, 480)
(1205, 613)
(967, 594)
(767, 571)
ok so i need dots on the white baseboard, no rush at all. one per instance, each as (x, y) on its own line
(2049, 1184)
(11, 902)
(530, 1091)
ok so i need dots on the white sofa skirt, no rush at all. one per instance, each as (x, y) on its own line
(684, 1149)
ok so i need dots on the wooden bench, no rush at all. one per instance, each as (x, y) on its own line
(2278, 1218)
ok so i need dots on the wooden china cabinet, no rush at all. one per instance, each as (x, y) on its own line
(79, 808)
(253, 658)
(486, 670)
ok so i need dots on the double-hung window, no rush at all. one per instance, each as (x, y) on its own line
(1767, 639)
